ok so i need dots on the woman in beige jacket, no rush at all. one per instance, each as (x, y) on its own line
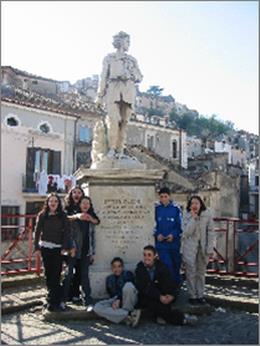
(197, 246)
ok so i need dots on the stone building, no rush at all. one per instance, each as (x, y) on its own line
(88, 86)
(220, 190)
(194, 146)
(254, 187)
(249, 142)
(166, 142)
(230, 179)
(60, 117)
(146, 101)
(33, 140)
(40, 133)
(26, 81)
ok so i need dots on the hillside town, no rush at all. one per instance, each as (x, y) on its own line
(49, 124)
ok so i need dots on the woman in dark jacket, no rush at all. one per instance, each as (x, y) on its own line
(73, 212)
(83, 239)
(51, 239)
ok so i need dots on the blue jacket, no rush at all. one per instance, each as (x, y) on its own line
(114, 285)
(168, 221)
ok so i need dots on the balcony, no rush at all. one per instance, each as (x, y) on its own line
(253, 189)
(51, 183)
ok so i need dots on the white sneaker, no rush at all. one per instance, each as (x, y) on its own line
(190, 320)
(135, 317)
(89, 307)
(128, 320)
(111, 153)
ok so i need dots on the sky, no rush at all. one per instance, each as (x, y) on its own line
(205, 54)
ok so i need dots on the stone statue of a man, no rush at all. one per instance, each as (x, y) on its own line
(117, 92)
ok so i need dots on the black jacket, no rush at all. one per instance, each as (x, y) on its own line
(160, 285)
(54, 229)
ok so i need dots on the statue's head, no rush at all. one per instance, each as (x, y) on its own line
(122, 39)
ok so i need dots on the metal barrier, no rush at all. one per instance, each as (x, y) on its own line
(231, 259)
(218, 264)
(19, 241)
(234, 258)
(245, 246)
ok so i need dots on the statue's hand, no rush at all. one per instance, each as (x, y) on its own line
(99, 102)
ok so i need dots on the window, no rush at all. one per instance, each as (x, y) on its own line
(85, 134)
(44, 128)
(33, 208)
(12, 121)
(39, 159)
(84, 159)
(174, 149)
(256, 181)
(150, 142)
(9, 233)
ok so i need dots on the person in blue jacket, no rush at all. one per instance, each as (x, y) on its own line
(167, 233)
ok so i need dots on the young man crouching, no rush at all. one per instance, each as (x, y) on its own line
(156, 290)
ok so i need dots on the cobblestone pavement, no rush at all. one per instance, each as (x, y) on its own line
(21, 295)
(233, 292)
(14, 296)
(221, 327)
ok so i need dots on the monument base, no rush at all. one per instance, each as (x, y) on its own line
(124, 201)
(123, 162)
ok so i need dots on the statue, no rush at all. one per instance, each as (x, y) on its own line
(116, 93)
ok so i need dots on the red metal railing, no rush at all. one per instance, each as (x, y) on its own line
(242, 263)
(219, 262)
(227, 260)
(235, 255)
(19, 241)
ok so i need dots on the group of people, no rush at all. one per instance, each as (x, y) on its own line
(68, 235)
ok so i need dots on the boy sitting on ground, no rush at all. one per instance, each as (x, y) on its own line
(123, 296)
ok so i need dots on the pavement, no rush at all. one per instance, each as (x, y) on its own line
(221, 327)
(24, 323)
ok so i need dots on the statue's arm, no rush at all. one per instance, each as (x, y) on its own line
(137, 73)
(103, 79)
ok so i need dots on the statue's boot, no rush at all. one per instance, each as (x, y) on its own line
(111, 153)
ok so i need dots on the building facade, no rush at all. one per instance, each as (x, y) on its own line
(33, 141)
(254, 187)
(166, 142)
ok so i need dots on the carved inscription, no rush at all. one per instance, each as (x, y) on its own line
(124, 224)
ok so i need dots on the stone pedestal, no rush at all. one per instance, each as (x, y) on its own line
(124, 201)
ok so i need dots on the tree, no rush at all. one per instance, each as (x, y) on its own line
(153, 111)
(174, 116)
(155, 90)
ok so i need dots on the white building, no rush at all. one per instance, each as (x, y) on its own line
(236, 155)
(253, 178)
(194, 146)
(223, 147)
(33, 141)
(169, 143)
